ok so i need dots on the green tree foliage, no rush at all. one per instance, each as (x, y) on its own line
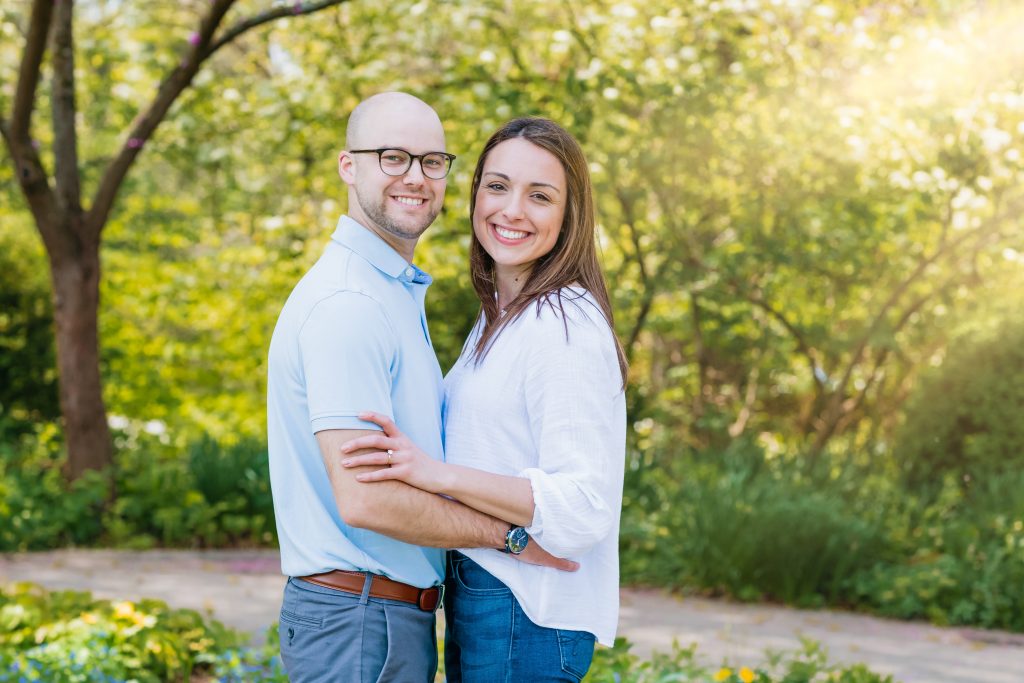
(52, 180)
(964, 417)
(797, 202)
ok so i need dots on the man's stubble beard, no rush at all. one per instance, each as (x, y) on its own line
(376, 212)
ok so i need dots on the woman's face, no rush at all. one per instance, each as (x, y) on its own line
(520, 203)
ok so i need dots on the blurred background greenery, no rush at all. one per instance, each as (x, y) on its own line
(809, 220)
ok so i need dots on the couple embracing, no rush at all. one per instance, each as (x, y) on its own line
(495, 490)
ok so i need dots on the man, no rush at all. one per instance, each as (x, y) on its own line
(365, 560)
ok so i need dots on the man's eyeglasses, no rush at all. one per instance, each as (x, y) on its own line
(396, 162)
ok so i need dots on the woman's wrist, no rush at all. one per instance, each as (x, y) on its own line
(443, 478)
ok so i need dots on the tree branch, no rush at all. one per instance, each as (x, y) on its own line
(203, 46)
(953, 281)
(629, 220)
(62, 101)
(701, 353)
(833, 411)
(902, 288)
(28, 74)
(252, 22)
(801, 342)
(28, 167)
(749, 399)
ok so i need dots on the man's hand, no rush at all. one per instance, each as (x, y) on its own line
(535, 554)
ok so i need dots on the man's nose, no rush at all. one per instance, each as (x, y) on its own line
(414, 176)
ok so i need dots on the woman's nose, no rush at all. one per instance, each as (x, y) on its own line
(513, 209)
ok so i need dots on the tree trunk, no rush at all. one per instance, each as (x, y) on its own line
(76, 294)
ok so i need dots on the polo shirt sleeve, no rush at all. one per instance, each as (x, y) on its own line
(347, 347)
(571, 387)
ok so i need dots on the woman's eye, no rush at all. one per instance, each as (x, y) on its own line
(541, 197)
(495, 186)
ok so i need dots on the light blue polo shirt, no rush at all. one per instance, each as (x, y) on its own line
(351, 337)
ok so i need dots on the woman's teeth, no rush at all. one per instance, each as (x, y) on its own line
(510, 234)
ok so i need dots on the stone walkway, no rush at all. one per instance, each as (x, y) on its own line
(243, 590)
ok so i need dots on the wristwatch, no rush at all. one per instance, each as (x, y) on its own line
(516, 540)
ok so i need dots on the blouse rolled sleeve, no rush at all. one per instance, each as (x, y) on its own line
(573, 384)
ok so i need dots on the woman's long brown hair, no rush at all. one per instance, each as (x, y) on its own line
(573, 259)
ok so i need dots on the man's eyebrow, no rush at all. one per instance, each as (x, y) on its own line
(533, 184)
(407, 151)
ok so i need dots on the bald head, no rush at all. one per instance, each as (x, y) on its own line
(375, 116)
(398, 208)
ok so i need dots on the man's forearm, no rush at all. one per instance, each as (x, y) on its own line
(409, 514)
(405, 513)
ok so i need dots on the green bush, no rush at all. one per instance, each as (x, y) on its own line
(619, 665)
(70, 637)
(735, 523)
(28, 372)
(209, 496)
(237, 477)
(213, 495)
(964, 417)
(961, 558)
(39, 508)
(828, 532)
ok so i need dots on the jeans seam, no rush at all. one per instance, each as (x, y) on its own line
(561, 654)
(569, 667)
(511, 643)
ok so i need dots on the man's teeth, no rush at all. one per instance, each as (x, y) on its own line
(511, 234)
(411, 201)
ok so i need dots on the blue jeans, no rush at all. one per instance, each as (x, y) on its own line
(330, 636)
(489, 639)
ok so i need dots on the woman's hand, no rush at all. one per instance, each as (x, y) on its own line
(397, 455)
(535, 554)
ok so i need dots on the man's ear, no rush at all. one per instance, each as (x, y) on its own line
(346, 167)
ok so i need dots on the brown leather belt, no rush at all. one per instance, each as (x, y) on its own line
(427, 599)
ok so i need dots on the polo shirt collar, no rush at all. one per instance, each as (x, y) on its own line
(377, 252)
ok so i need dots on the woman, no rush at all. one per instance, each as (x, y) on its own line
(534, 420)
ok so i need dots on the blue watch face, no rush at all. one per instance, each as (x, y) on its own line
(516, 540)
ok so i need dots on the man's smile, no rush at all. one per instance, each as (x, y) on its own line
(409, 201)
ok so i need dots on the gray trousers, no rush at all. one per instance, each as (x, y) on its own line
(330, 636)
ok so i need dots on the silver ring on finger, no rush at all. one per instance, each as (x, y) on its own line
(390, 453)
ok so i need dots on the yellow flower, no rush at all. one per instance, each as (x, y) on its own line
(723, 674)
(140, 619)
(89, 618)
(124, 609)
(746, 675)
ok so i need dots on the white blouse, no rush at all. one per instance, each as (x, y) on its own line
(546, 403)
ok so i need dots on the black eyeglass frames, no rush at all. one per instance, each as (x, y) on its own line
(397, 162)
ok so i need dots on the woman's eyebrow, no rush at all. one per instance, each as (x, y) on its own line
(533, 184)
